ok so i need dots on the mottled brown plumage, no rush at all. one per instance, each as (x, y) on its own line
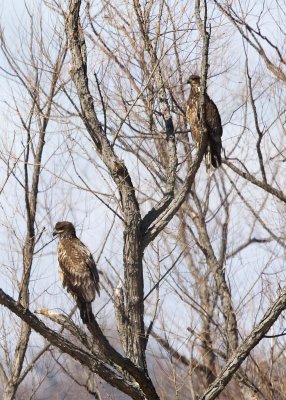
(77, 268)
(213, 122)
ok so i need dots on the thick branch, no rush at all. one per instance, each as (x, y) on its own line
(94, 363)
(245, 348)
(132, 254)
(217, 269)
(165, 217)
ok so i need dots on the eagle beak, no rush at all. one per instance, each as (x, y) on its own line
(55, 233)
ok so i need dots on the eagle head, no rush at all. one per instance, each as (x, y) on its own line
(64, 228)
(194, 80)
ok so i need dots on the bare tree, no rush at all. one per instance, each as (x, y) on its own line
(182, 240)
(32, 70)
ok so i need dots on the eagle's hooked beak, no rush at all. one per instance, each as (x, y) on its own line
(55, 233)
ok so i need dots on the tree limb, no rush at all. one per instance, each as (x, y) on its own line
(245, 348)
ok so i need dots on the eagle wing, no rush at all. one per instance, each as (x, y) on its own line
(213, 119)
(214, 128)
(193, 118)
(77, 269)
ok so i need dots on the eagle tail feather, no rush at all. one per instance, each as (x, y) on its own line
(97, 289)
(215, 159)
(213, 150)
(85, 310)
(213, 154)
(208, 157)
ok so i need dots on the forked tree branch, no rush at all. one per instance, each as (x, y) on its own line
(165, 110)
(132, 252)
(158, 218)
(138, 386)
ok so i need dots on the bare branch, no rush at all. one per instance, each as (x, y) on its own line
(245, 348)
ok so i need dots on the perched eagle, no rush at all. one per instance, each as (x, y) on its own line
(77, 268)
(213, 122)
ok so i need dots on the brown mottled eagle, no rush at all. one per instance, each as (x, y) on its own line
(77, 269)
(213, 122)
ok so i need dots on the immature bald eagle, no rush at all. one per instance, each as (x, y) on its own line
(213, 122)
(77, 268)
